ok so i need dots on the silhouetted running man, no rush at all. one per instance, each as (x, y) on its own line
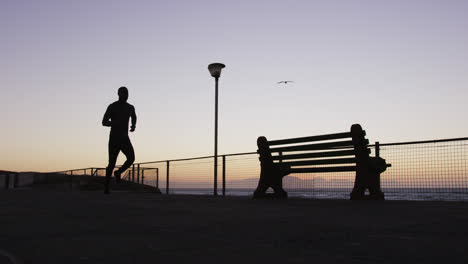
(117, 116)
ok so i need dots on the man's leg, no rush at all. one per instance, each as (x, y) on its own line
(127, 149)
(113, 153)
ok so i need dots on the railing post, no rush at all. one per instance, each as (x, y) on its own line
(377, 149)
(142, 176)
(224, 175)
(167, 177)
(133, 173)
(138, 173)
(215, 189)
(84, 172)
(280, 157)
(377, 154)
(157, 178)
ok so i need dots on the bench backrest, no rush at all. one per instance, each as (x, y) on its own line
(347, 151)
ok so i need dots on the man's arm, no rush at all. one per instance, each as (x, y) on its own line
(106, 119)
(134, 119)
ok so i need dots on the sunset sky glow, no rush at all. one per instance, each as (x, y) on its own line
(399, 68)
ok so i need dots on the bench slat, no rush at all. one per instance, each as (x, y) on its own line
(324, 169)
(308, 139)
(337, 153)
(320, 162)
(319, 146)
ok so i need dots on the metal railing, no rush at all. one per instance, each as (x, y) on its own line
(426, 170)
(421, 170)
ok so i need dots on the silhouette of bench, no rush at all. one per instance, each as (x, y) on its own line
(339, 152)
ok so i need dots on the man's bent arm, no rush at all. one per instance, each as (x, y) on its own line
(134, 119)
(106, 119)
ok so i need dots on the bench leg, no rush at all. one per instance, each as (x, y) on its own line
(272, 177)
(375, 192)
(368, 180)
(261, 188)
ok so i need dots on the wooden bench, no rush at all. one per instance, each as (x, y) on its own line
(339, 152)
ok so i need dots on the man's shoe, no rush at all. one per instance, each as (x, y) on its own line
(117, 176)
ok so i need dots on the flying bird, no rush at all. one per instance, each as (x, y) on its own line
(285, 82)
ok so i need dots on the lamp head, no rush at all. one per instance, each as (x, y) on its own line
(215, 69)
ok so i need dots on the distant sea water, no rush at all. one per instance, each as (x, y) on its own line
(410, 194)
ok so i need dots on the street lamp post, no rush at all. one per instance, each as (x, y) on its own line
(215, 71)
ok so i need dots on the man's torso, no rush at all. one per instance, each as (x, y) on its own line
(120, 113)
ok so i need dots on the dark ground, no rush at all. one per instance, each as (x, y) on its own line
(38, 226)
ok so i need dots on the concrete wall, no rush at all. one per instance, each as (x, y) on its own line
(11, 180)
(7, 180)
(40, 178)
(15, 180)
(24, 179)
(2, 181)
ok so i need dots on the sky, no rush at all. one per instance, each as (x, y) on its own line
(398, 68)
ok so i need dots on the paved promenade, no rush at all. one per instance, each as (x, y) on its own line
(38, 226)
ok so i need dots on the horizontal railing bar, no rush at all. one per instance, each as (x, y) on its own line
(163, 161)
(195, 158)
(320, 162)
(308, 139)
(315, 155)
(77, 170)
(319, 146)
(423, 141)
(239, 154)
(323, 169)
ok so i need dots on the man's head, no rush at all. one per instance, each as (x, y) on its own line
(123, 94)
